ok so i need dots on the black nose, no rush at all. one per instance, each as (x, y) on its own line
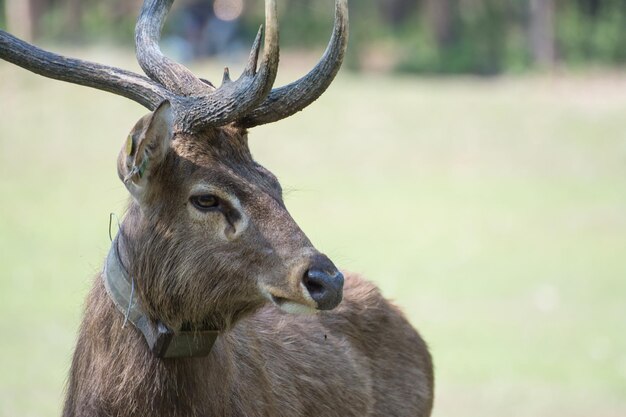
(324, 283)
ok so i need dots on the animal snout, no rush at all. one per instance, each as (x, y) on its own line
(324, 283)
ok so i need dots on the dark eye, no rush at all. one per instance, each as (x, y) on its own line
(205, 202)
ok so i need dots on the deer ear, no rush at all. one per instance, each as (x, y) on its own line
(145, 148)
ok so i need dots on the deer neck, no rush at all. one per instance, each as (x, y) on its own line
(144, 253)
(114, 373)
(163, 341)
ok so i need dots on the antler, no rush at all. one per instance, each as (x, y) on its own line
(248, 101)
(114, 80)
(292, 98)
(174, 76)
(201, 105)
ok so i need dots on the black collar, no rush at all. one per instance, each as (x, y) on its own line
(162, 341)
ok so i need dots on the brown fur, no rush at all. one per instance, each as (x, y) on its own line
(218, 270)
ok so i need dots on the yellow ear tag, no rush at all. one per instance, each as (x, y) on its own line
(129, 145)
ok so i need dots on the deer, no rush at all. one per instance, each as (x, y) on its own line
(212, 301)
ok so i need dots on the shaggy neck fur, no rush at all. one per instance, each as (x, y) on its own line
(165, 278)
(162, 341)
(115, 374)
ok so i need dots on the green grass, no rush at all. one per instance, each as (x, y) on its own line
(493, 212)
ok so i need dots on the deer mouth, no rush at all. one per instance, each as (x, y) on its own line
(292, 307)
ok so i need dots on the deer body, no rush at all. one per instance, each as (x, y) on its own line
(208, 247)
(361, 359)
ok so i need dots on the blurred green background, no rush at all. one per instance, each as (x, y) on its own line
(491, 209)
(416, 36)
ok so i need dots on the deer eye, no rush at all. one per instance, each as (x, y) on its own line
(205, 202)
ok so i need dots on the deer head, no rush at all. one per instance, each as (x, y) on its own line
(207, 237)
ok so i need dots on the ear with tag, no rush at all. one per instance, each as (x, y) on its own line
(145, 148)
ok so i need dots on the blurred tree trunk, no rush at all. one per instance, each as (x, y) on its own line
(74, 10)
(440, 14)
(23, 17)
(396, 11)
(20, 18)
(123, 8)
(541, 29)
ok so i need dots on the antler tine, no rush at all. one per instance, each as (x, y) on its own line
(102, 77)
(172, 75)
(233, 100)
(285, 101)
(252, 60)
(254, 54)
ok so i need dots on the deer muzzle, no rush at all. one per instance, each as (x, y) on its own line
(324, 283)
(314, 284)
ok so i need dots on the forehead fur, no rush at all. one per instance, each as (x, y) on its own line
(213, 145)
(224, 149)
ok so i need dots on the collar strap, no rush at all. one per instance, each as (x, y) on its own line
(162, 340)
